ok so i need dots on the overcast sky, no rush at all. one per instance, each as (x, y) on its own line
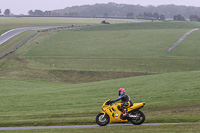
(23, 6)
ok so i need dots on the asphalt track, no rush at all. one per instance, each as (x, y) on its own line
(181, 39)
(11, 33)
(82, 126)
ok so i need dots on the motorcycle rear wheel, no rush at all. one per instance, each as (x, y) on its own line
(102, 120)
(140, 119)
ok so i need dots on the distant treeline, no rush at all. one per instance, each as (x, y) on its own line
(124, 10)
(113, 10)
(161, 12)
(45, 13)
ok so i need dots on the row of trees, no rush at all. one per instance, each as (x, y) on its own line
(179, 17)
(155, 15)
(194, 18)
(128, 15)
(129, 11)
(41, 13)
(122, 10)
(6, 12)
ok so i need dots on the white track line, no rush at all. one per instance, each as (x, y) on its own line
(7, 32)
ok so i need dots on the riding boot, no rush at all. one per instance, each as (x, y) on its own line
(125, 113)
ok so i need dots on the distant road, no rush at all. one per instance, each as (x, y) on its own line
(11, 33)
(79, 126)
(181, 39)
(128, 20)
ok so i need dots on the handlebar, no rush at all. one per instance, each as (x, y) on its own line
(109, 103)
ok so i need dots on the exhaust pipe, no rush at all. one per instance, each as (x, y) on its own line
(132, 116)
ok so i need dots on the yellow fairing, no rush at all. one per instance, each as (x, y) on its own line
(114, 113)
(135, 106)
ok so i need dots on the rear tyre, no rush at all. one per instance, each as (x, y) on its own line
(139, 119)
(102, 120)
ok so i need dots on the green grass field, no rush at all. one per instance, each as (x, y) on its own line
(170, 97)
(141, 48)
(65, 79)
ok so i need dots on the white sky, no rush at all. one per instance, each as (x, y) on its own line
(23, 6)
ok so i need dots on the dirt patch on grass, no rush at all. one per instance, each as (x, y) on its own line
(21, 71)
(69, 76)
(90, 76)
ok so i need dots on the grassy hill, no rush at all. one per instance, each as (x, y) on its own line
(65, 78)
(134, 47)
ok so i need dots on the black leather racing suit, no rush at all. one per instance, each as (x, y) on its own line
(125, 100)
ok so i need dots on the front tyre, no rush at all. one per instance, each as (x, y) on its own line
(140, 118)
(102, 119)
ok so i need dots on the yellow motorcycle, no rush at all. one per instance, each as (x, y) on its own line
(112, 114)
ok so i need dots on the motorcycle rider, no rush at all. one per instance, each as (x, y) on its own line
(125, 100)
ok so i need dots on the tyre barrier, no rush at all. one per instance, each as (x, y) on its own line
(46, 30)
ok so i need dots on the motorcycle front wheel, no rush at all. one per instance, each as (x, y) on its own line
(140, 118)
(102, 119)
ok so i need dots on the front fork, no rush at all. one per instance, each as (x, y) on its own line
(103, 114)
